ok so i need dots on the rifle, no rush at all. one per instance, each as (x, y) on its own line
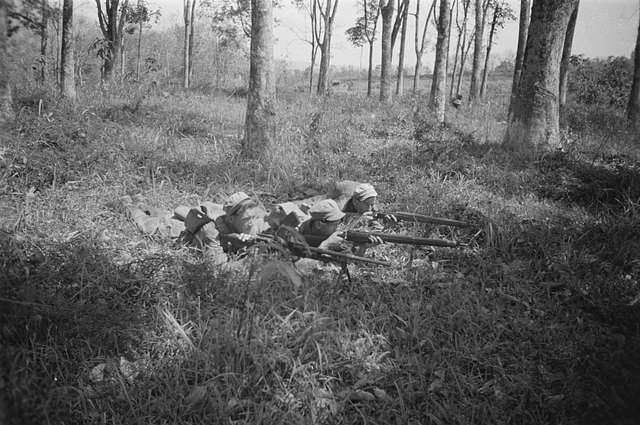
(419, 218)
(363, 237)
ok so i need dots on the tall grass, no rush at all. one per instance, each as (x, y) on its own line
(534, 322)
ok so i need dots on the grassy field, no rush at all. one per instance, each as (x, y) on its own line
(536, 322)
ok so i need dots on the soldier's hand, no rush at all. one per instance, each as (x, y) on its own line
(368, 216)
(245, 237)
(376, 240)
(390, 217)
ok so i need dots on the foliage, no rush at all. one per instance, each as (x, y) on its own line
(600, 82)
(364, 30)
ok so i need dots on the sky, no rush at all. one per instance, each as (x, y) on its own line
(604, 28)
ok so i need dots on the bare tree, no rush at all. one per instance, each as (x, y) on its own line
(6, 109)
(501, 13)
(386, 10)
(191, 45)
(404, 17)
(112, 20)
(420, 43)
(328, 16)
(43, 40)
(566, 55)
(523, 31)
(260, 124)
(438, 98)
(534, 121)
(633, 108)
(67, 64)
(461, 46)
(474, 90)
(186, 48)
(365, 31)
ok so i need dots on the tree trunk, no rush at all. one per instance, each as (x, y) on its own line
(313, 64)
(191, 45)
(370, 70)
(385, 64)
(455, 58)
(325, 47)
(566, 55)
(140, 26)
(43, 42)
(474, 91)
(453, 4)
(492, 31)
(633, 109)
(420, 46)
(123, 58)
(185, 50)
(403, 37)
(6, 108)
(67, 66)
(466, 46)
(534, 122)
(260, 126)
(438, 99)
(523, 31)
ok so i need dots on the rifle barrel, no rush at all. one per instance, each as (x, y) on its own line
(363, 237)
(406, 216)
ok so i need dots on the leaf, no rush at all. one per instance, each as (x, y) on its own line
(97, 373)
(360, 395)
(196, 397)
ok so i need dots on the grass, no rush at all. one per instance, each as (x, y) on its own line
(534, 323)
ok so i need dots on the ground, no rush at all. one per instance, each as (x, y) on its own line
(535, 322)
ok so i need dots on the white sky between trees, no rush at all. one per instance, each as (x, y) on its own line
(604, 28)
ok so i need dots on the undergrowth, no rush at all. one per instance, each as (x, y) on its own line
(534, 322)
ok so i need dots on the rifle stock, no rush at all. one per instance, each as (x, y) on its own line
(363, 237)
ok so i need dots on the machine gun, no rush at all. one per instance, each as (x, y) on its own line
(360, 237)
(290, 240)
(419, 218)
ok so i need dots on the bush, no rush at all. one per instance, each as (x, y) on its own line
(601, 82)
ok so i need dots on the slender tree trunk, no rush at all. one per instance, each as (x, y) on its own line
(633, 108)
(370, 70)
(403, 37)
(123, 58)
(453, 4)
(566, 55)
(140, 26)
(260, 125)
(420, 45)
(455, 59)
(385, 64)
(185, 50)
(474, 91)
(523, 31)
(43, 42)
(67, 66)
(534, 123)
(492, 31)
(438, 99)
(313, 64)
(6, 108)
(191, 44)
(463, 60)
(325, 47)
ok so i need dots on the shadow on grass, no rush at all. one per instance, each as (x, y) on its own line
(66, 308)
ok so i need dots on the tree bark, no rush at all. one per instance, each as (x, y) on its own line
(492, 31)
(260, 126)
(67, 66)
(633, 109)
(370, 70)
(466, 46)
(385, 64)
(455, 57)
(534, 122)
(111, 25)
(139, 48)
(43, 42)
(438, 98)
(185, 50)
(523, 31)
(325, 47)
(474, 91)
(403, 37)
(191, 45)
(566, 55)
(6, 108)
